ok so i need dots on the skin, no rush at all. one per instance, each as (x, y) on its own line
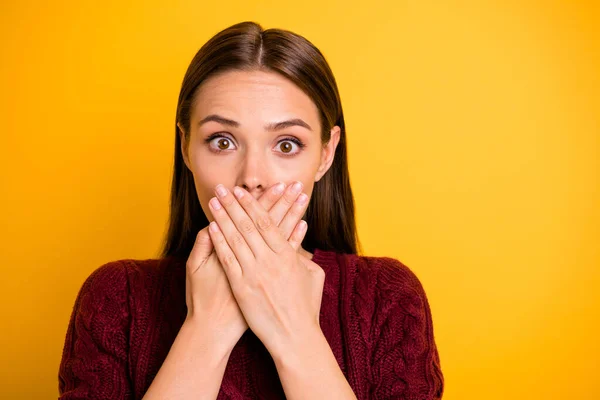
(197, 359)
(254, 158)
(275, 284)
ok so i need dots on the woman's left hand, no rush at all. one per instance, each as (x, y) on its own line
(278, 290)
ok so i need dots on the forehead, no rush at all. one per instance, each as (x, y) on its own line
(253, 95)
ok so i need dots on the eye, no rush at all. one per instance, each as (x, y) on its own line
(219, 143)
(286, 146)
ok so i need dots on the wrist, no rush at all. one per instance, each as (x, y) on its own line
(301, 348)
(209, 338)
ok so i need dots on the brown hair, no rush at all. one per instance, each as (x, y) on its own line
(246, 46)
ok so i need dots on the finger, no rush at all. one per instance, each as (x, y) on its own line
(298, 235)
(228, 260)
(294, 215)
(263, 232)
(270, 197)
(232, 235)
(280, 209)
(201, 250)
(247, 220)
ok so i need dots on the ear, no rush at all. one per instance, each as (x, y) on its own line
(328, 152)
(184, 145)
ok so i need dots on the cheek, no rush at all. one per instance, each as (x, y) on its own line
(206, 177)
(205, 193)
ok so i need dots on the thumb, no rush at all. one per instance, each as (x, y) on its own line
(203, 246)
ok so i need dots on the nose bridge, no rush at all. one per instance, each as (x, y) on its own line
(253, 171)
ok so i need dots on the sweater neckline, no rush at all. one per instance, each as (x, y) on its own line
(324, 258)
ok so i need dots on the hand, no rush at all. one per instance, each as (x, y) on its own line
(278, 291)
(208, 294)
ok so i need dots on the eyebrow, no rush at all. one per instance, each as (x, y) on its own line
(275, 126)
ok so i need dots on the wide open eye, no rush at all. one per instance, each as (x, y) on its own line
(287, 146)
(218, 143)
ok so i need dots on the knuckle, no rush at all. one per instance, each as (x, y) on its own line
(237, 239)
(264, 222)
(229, 260)
(247, 226)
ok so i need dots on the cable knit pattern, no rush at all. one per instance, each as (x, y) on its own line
(95, 355)
(374, 315)
(404, 359)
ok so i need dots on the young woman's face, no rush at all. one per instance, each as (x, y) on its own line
(253, 130)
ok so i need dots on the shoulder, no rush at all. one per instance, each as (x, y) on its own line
(385, 279)
(383, 291)
(394, 320)
(118, 272)
(116, 279)
(388, 271)
(107, 280)
(373, 281)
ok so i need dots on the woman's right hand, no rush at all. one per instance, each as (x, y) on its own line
(209, 299)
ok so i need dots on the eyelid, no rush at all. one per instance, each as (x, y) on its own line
(216, 135)
(294, 140)
(298, 142)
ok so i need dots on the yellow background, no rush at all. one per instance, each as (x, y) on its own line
(473, 131)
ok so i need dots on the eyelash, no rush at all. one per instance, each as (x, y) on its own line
(298, 142)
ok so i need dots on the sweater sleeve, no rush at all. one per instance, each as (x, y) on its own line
(94, 359)
(405, 361)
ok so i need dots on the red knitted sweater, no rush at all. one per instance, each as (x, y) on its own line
(374, 314)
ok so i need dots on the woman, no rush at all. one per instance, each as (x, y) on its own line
(259, 292)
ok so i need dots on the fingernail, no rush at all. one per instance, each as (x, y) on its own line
(278, 189)
(297, 187)
(221, 191)
(214, 202)
(303, 226)
(302, 198)
(239, 193)
(214, 227)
